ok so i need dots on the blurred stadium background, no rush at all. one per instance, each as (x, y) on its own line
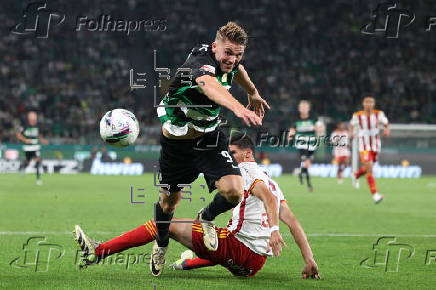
(297, 50)
(315, 51)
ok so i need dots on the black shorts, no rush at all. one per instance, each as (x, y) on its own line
(31, 155)
(305, 154)
(181, 161)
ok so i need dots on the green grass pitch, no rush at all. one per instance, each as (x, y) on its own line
(342, 224)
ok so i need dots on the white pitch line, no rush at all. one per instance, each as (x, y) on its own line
(333, 235)
(370, 235)
(8, 233)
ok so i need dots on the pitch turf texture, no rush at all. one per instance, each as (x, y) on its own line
(342, 224)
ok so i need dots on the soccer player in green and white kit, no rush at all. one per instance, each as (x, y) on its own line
(304, 130)
(30, 136)
(191, 141)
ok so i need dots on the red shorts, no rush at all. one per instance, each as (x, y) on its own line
(368, 156)
(341, 159)
(231, 253)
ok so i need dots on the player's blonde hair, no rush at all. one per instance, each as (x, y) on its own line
(232, 32)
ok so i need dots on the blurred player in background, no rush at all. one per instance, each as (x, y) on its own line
(341, 150)
(304, 131)
(251, 236)
(191, 142)
(29, 135)
(368, 123)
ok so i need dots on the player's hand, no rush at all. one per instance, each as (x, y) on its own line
(386, 132)
(256, 103)
(28, 141)
(44, 141)
(249, 117)
(310, 270)
(276, 243)
(292, 133)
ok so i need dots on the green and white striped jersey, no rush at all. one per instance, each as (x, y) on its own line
(305, 136)
(31, 133)
(185, 106)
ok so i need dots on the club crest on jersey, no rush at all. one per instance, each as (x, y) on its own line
(208, 68)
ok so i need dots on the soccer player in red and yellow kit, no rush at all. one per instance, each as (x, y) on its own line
(251, 235)
(341, 150)
(369, 122)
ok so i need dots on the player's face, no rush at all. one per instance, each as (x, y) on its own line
(228, 54)
(303, 108)
(237, 153)
(368, 104)
(32, 118)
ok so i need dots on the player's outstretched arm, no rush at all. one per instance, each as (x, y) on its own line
(261, 191)
(255, 101)
(218, 94)
(310, 269)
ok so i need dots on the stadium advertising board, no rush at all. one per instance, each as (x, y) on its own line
(48, 166)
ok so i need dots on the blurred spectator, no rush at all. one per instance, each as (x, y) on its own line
(313, 51)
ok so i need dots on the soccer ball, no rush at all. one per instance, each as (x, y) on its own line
(187, 255)
(119, 128)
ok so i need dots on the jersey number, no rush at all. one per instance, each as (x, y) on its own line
(226, 154)
(204, 47)
(264, 220)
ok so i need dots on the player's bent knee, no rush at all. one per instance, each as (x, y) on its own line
(233, 195)
(231, 187)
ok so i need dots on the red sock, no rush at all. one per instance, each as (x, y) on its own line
(360, 172)
(197, 263)
(134, 238)
(371, 182)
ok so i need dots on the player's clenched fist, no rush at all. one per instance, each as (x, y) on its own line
(249, 117)
(276, 243)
